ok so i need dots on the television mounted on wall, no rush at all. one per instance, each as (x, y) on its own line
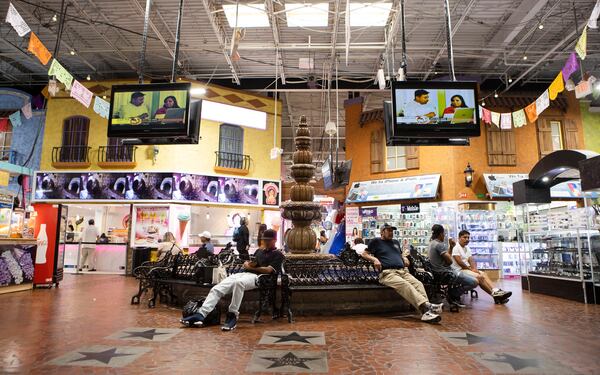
(156, 113)
(436, 109)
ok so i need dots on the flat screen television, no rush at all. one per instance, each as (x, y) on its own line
(435, 109)
(156, 110)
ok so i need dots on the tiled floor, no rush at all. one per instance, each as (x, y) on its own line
(88, 326)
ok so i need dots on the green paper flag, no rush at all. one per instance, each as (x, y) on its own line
(60, 73)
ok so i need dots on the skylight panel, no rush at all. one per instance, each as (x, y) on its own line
(307, 15)
(253, 15)
(369, 14)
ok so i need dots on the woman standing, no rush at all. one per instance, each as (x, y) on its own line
(168, 246)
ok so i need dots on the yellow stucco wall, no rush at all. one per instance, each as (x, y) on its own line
(198, 158)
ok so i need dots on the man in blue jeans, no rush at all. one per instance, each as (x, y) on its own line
(440, 257)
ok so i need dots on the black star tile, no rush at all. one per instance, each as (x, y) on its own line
(294, 337)
(472, 339)
(515, 362)
(149, 334)
(104, 356)
(289, 359)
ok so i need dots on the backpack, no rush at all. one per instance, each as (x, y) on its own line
(236, 234)
(193, 306)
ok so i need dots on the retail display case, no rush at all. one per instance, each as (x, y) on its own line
(563, 252)
(483, 226)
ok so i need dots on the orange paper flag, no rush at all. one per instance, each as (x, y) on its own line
(558, 85)
(38, 49)
(531, 112)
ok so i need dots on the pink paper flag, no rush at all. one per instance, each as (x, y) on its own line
(570, 66)
(487, 115)
(505, 121)
(81, 93)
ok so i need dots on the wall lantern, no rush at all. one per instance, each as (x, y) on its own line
(468, 175)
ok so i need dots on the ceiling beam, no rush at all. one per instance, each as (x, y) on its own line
(222, 38)
(333, 44)
(270, 7)
(441, 51)
(390, 34)
(164, 42)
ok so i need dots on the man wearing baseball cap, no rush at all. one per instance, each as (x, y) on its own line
(386, 255)
(207, 248)
(267, 260)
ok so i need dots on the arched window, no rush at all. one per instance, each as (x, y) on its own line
(75, 139)
(231, 146)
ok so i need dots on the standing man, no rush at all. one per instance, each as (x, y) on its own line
(243, 239)
(440, 256)
(268, 260)
(88, 246)
(386, 255)
(463, 262)
(420, 108)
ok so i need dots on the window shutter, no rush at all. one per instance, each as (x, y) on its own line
(501, 146)
(571, 137)
(544, 133)
(377, 161)
(412, 157)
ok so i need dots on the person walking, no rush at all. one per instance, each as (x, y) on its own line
(88, 247)
(242, 239)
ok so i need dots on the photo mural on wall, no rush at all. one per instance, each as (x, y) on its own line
(145, 186)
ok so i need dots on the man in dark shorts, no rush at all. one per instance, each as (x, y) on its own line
(267, 260)
(386, 255)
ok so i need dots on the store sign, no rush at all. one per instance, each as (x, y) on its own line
(154, 186)
(416, 187)
(368, 212)
(6, 201)
(410, 208)
(353, 226)
(150, 225)
(501, 186)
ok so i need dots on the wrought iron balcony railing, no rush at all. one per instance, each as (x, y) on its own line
(116, 154)
(8, 155)
(232, 160)
(71, 154)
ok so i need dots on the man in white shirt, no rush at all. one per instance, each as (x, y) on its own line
(462, 261)
(88, 246)
(421, 109)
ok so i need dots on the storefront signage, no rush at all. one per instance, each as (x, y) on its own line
(154, 186)
(410, 208)
(368, 212)
(416, 187)
(353, 225)
(150, 225)
(501, 186)
(6, 201)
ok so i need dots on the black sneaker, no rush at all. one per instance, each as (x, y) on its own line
(230, 322)
(501, 297)
(456, 302)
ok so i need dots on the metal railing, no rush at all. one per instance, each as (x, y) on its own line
(232, 160)
(71, 154)
(116, 154)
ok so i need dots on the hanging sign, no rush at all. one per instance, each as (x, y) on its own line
(410, 208)
(368, 212)
(415, 187)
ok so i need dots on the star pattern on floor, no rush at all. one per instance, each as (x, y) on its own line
(148, 334)
(294, 337)
(289, 359)
(515, 362)
(472, 339)
(104, 356)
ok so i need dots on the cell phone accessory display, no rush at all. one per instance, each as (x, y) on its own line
(483, 227)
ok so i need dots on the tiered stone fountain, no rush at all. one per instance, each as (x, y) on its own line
(301, 209)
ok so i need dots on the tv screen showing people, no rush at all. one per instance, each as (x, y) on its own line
(435, 106)
(152, 106)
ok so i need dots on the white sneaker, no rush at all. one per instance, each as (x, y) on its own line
(430, 317)
(436, 308)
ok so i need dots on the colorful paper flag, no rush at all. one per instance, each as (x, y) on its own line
(18, 23)
(557, 86)
(505, 121)
(581, 46)
(592, 22)
(495, 118)
(486, 115)
(570, 66)
(101, 107)
(53, 87)
(3, 125)
(531, 112)
(26, 109)
(60, 73)
(38, 49)
(81, 93)
(583, 89)
(15, 119)
(542, 103)
(519, 118)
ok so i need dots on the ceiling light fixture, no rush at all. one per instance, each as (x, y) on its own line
(495, 95)
(540, 26)
(72, 52)
(509, 80)
(525, 57)
(198, 91)
(54, 18)
(330, 129)
(545, 178)
(88, 77)
(483, 104)
(103, 96)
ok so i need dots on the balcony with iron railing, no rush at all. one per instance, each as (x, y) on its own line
(117, 156)
(8, 155)
(232, 163)
(71, 157)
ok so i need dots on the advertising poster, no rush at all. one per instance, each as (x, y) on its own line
(501, 186)
(353, 223)
(425, 186)
(148, 185)
(98, 185)
(270, 193)
(238, 190)
(193, 187)
(151, 224)
(179, 222)
(57, 186)
(16, 264)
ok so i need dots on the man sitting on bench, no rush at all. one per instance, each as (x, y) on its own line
(387, 257)
(267, 260)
